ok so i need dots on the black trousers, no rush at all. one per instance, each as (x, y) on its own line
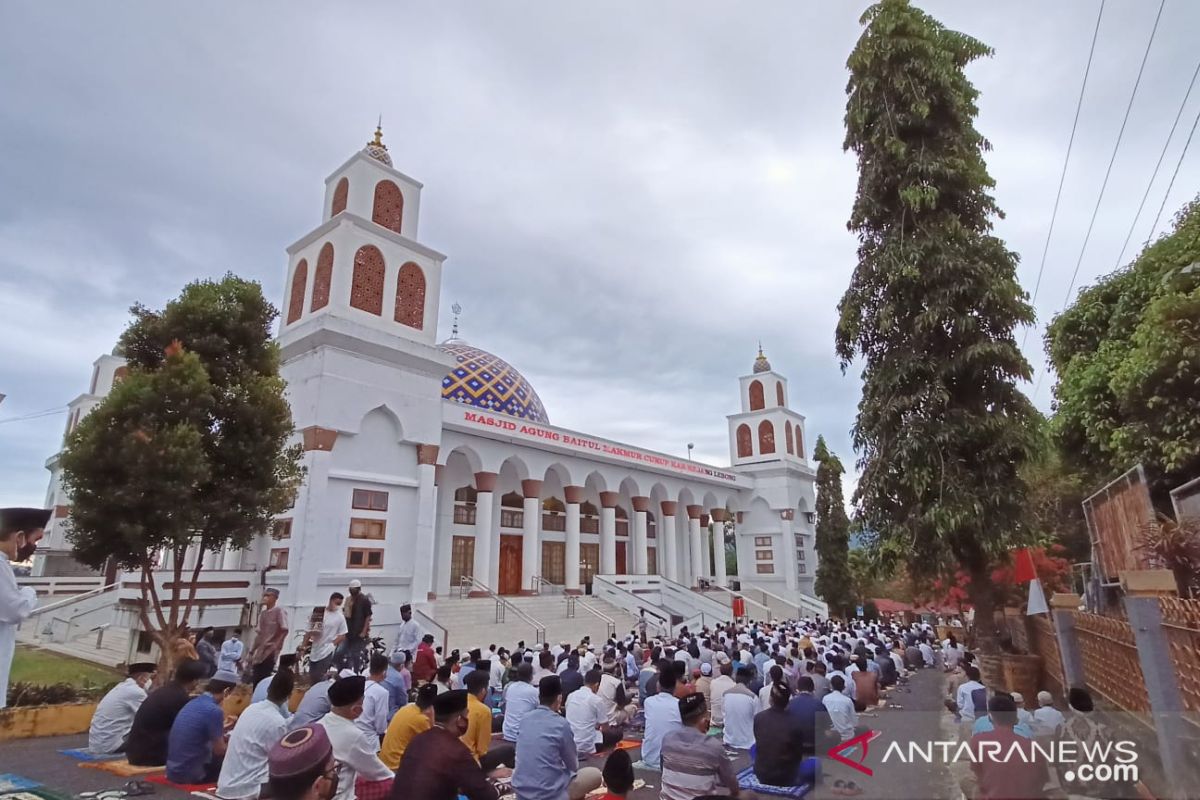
(262, 669)
(504, 755)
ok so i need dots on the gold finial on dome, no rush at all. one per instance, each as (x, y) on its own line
(761, 364)
(375, 148)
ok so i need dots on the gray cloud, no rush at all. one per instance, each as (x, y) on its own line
(630, 195)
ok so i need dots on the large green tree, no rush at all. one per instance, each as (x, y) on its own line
(1127, 356)
(834, 584)
(189, 450)
(942, 430)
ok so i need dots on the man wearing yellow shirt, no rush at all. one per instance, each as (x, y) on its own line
(406, 723)
(478, 737)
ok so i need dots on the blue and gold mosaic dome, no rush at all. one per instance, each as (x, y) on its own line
(486, 381)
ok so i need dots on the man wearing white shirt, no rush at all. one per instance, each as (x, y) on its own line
(843, 673)
(970, 698)
(588, 718)
(258, 728)
(376, 699)
(409, 635)
(1047, 720)
(717, 689)
(740, 706)
(840, 708)
(355, 751)
(20, 531)
(325, 640)
(113, 718)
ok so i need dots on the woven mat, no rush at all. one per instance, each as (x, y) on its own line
(10, 782)
(746, 780)
(121, 767)
(161, 780)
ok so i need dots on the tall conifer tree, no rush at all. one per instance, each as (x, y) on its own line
(834, 584)
(942, 429)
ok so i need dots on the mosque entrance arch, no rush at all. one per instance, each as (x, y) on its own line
(510, 564)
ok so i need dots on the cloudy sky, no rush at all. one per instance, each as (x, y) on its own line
(630, 194)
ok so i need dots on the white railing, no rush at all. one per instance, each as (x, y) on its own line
(468, 585)
(610, 590)
(766, 614)
(537, 583)
(429, 622)
(787, 609)
(574, 601)
(63, 587)
(691, 603)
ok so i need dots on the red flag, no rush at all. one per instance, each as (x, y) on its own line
(1023, 569)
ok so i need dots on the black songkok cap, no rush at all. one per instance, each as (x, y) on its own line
(139, 667)
(690, 704)
(23, 519)
(347, 691)
(452, 702)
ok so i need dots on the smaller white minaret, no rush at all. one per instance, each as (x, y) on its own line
(766, 429)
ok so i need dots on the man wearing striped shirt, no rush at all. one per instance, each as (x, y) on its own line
(693, 763)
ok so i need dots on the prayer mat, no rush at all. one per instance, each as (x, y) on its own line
(627, 744)
(637, 784)
(161, 780)
(16, 783)
(746, 780)
(122, 768)
(80, 754)
(35, 794)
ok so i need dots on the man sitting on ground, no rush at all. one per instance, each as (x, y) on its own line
(146, 745)
(587, 718)
(662, 717)
(741, 704)
(693, 763)
(437, 765)
(1005, 774)
(478, 736)
(376, 701)
(520, 698)
(196, 745)
(547, 762)
(301, 766)
(409, 722)
(354, 750)
(113, 718)
(315, 703)
(258, 728)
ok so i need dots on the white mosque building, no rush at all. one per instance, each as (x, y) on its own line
(434, 470)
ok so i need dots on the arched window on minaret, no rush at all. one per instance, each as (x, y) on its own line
(410, 296)
(323, 278)
(389, 205)
(299, 284)
(366, 288)
(757, 401)
(340, 193)
(787, 436)
(766, 437)
(779, 393)
(745, 445)
(799, 443)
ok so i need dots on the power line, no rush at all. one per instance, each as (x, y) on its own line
(1112, 160)
(1154, 175)
(1063, 177)
(1174, 175)
(48, 412)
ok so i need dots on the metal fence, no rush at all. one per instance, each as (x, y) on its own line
(1181, 624)
(1110, 660)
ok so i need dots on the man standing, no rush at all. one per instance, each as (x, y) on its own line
(258, 728)
(410, 632)
(326, 638)
(359, 622)
(547, 762)
(20, 531)
(269, 637)
(113, 718)
(694, 763)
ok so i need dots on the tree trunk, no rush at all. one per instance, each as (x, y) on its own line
(981, 591)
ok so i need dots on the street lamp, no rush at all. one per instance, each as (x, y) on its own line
(690, 447)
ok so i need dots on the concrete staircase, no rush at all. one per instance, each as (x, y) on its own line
(471, 622)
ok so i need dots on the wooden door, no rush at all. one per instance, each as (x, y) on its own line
(554, 555)
(589, 563)
(652, 561)
(462, 558)
(510, 564)
(621, 559)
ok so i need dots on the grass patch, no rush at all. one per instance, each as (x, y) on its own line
(43, 668)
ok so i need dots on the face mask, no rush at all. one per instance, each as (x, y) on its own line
(26, 551)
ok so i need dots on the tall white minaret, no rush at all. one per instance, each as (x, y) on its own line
(766, 429)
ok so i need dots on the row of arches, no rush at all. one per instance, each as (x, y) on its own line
(366, 286)
(793, 439)
(758, 399)
(387, 208)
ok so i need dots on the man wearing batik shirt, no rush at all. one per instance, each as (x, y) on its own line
(694, 763)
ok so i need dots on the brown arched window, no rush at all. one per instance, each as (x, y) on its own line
(339, 197)
(389, 205)
(787, 431)
(799, 443)
(766, 437)
(299, 284)
(323, 278)
(745, 447)
(410, 296)
(119, 374)
(757, 402)
(366, 288)
(779, 393)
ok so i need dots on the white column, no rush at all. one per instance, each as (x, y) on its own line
(423, 543)
(485, 484)
(571, 553)
(640, 557)
(668, 557)
(608, 533)
(531, 532)
(789, 548)
(719, 575)
(705, 552)
(694, 542)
